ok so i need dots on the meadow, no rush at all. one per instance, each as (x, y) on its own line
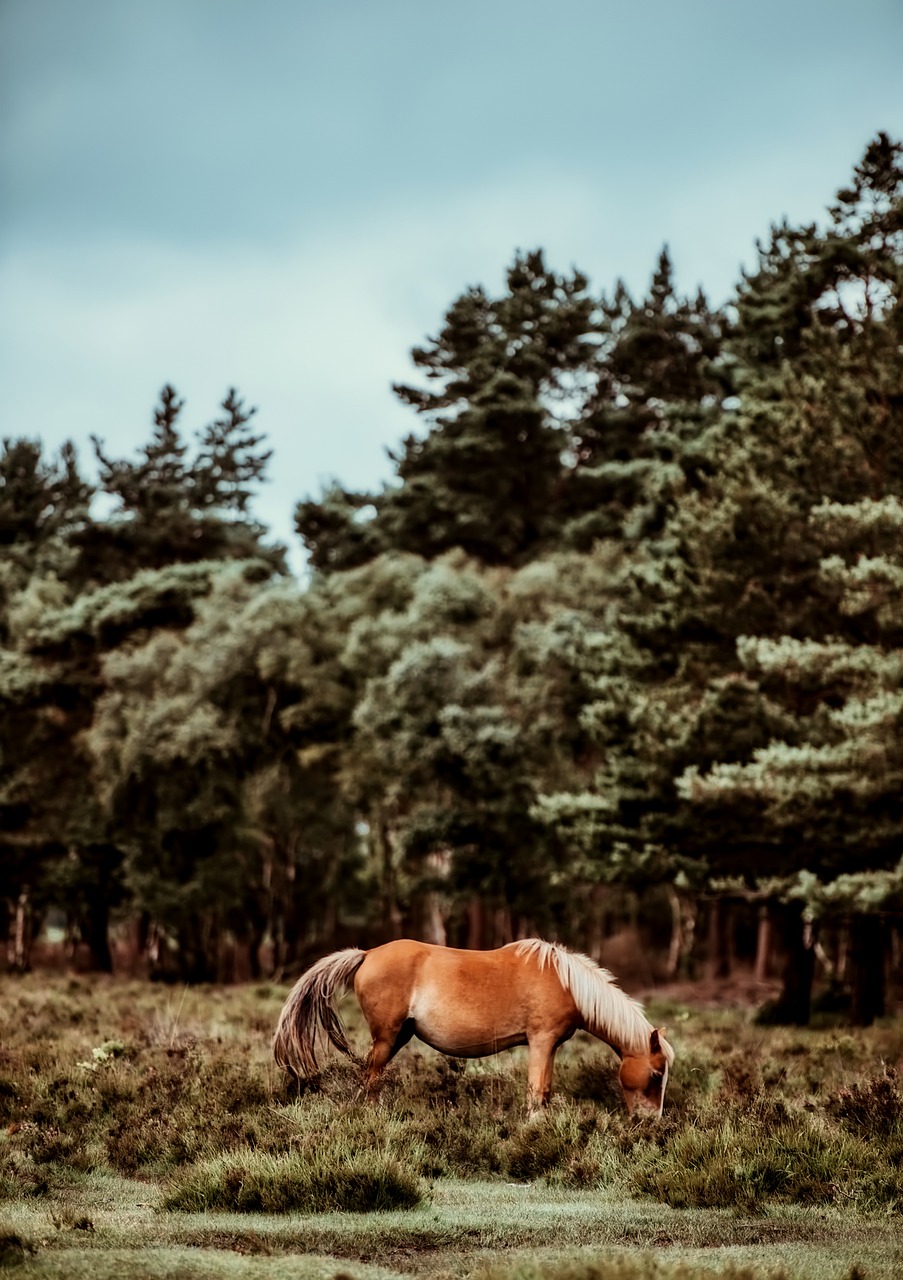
(145, 1132)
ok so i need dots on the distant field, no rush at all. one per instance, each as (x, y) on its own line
(144, 1131)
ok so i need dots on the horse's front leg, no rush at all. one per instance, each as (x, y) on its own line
(540, 1064)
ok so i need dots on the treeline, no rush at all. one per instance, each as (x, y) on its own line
(624, 634)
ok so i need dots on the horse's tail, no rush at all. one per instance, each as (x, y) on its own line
(310, 1009)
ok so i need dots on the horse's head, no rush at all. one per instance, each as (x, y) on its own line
(644, 1076)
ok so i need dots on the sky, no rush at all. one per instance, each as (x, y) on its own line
(285, 196)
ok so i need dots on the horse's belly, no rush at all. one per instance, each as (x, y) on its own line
(466, 1042)
(465, 1025)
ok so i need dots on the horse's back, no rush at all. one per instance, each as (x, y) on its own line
(406, 960)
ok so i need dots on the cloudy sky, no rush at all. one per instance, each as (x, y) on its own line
(286, 195)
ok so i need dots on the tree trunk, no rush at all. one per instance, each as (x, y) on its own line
(97, 933)
(763, 944)
(676, 944)
(391, 909)
(429, 919)
(19, 942)
(253, 945)
(428, 902)
(719, 965)
(190, 960)
(595, 920)
(866, 969)
(285, 924)
(683, 931)
(794, 1004)
(502, 930)
(476, 925)
(155, 949)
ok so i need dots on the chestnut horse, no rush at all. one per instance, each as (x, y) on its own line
(469, 1004)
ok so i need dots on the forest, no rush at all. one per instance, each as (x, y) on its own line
(619, 645)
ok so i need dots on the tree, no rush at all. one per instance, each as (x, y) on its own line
(42, 502)
(829, 786)
(807, 545)
(39, 500)
(172, 508)
(77, 590)
(551, 419)
(228, 822)
(484, 475)
(658, 379)
(738, 551)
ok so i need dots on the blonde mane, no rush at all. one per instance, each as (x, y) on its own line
(608, 1012)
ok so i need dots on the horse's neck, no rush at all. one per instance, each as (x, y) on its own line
(605, 1010)
(625, 1046)
(608, 1039)
(623, 1025)
(609, 1013)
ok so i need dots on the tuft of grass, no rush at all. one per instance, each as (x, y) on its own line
(645, 1267)
(873, 1108)
(14, 1250)
(252, 1182)
(546, 1144)
(744, 1161)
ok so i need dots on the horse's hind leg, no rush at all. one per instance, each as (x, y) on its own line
(383, 1050)
(385, 998)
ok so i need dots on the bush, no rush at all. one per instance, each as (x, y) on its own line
(873, 1109)
(546, 1143)
(750, 1116)
(748, 1159)
(14, 1251)
(251, 1182)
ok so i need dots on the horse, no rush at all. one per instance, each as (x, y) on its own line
(469, 1004)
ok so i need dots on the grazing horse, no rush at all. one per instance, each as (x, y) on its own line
(472, 1003)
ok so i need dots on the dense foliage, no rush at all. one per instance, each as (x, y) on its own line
(626, 620)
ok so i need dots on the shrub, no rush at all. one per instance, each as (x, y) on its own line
(14, 1251)
(596, 1079)
(872, 1109)
(748, 1159)
(457, 1142)
(251, 1182)
(749, 1115)
(545, 1144)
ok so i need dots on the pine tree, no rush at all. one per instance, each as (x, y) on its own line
(804, 536)
(76, 588)
(741, 553)
(658, 380)
(503, 377)
(43, 502)
(172, 507)
(39, 499)
(483, 480)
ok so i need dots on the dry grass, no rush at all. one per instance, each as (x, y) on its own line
(119, 1099)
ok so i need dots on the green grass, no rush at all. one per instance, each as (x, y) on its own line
(147, 1132)
(468, 1229)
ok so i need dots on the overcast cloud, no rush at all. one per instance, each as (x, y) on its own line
(285, 197)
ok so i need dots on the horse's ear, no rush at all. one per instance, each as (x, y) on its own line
(655, 1040)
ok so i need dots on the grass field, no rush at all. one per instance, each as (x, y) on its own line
(144, 1131)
